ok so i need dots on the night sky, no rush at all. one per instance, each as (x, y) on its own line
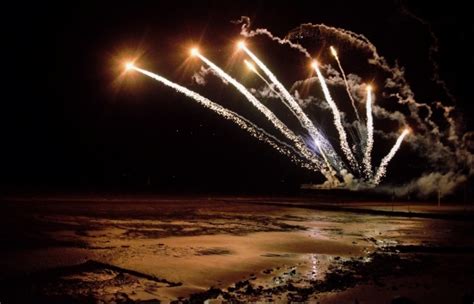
(68, 124)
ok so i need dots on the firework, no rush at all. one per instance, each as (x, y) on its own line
(252, 68)
(317, 154)
(337, 119)
(302, 117)
(129, 66)
(346, 84)
(367, 161)
(299, 144)
(230, 115)
(382, 170)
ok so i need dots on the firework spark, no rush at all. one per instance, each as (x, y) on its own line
(346, 84)
(316, 154)
(129, 66)
(382, 170)
(367, 161)
(432, 141)
(337, 118)
(298, 142)
(252, 68)
(302, 117)
(194, 51)
(230, 115)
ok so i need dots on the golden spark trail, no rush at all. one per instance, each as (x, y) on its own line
(318, 145)
(252, 68)
(382, 170)
(334, 53)
(367, 161)
(230, 115)
(302, 118)
(337, 119)
(299, 144)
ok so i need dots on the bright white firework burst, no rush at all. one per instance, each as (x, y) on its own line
(318, 154)
(299, 151)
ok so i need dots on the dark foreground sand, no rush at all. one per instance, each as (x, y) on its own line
(193, 250)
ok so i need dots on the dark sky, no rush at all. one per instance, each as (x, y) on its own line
(67, 126)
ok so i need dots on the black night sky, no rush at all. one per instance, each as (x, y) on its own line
(66, 124)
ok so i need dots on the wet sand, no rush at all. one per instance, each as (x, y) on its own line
(192, 250)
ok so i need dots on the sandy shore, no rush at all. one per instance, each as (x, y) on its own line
(195, 250)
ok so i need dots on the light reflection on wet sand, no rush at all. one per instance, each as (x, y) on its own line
(207, 244)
